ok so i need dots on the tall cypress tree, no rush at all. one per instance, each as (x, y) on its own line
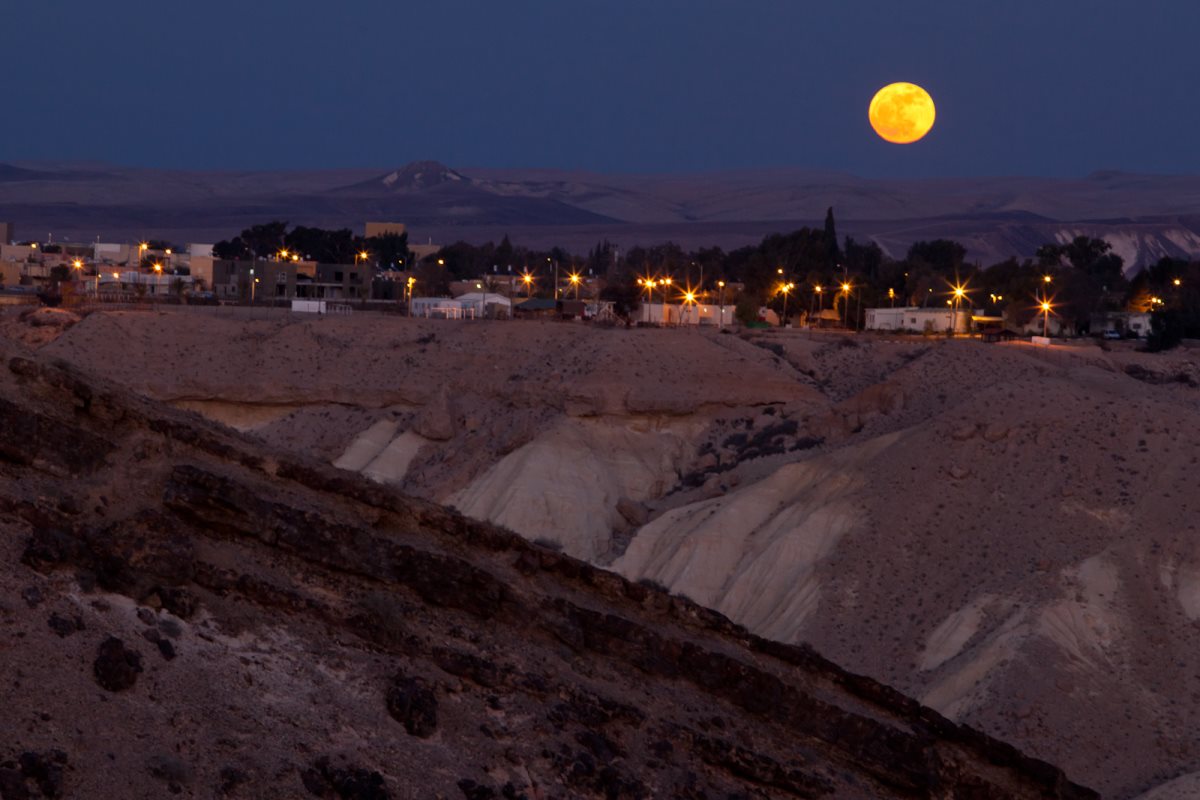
(831, 239)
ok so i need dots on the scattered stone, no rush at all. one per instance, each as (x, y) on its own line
(964, 432)
(958, 473)
(231, 779)
(170, 628)
(634, 512)
(474, 791)
(65, 626)
(169, 768)
(414, 705)
(177, 601)
(146, 615)
(326, 781)
(995, 433)
(116, 668)
(32, 596)
(33, 775)
(167, 649)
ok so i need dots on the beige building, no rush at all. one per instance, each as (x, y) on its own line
(383, 228)
(10, 273)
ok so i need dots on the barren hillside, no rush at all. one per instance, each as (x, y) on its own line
(188, 612)
(1007, 534)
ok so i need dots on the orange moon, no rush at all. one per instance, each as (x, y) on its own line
(901, 113)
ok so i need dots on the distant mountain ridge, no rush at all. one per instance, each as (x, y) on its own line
(1145, 217)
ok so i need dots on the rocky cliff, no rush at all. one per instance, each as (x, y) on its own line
(186, 611)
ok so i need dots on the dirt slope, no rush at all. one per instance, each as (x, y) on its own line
(1006, 533)
(186, 612)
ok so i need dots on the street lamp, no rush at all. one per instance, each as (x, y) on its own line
(689, 301)
(785, 288)
(846, 305)
(666, 284)
(1046, 307)
(959, 293)
(575, 279)
(892, 297)
(527, 279)
(721, 302)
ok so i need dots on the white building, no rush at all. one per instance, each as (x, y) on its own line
(915, 319)
(685, 314)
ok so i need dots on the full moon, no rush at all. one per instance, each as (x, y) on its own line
(901, 113)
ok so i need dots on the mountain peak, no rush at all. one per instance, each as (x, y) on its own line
(421, 175)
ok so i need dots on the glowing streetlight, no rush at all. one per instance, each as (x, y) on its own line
(1047, 279)
(689, 300)
(892, 297)
(527, 279)
(1177, 282)
(785, 288)
(721, 302)
(575, 278)
(666, 284)
(846, 307)
(1046, 307)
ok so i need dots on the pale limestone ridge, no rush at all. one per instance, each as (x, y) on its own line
(579, 470)
(754, 554)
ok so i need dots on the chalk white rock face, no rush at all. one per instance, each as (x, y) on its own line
(753, 554)
(367, 446)
(564, 486)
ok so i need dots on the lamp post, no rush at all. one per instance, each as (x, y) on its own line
(721, 302)
(785, 288)
(846, 305)
(666, 284)
(575, 279)
(892, 297)
(959, 293)
(1045, 318)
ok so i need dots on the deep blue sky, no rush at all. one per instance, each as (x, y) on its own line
(1030, 87)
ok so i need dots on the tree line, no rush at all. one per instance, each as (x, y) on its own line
(1081, 278)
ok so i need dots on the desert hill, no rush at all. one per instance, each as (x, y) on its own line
(1145, 217)
(1005, 533)
(187, 611)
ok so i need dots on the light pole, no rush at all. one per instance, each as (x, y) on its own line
(846, 305)
(721, 302)
(959, 292)
(527, 279)
(648, 283)
(689, 300)
(1046, 306)
(575, 279)
(666, 284)
(892, 297)
(785, 288)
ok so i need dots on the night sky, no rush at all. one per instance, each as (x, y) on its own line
(1024, 87)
